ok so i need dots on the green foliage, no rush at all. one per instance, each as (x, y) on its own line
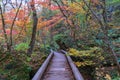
(65, 39)
(58, 37)
(93, 56)
(17, 66)
(107, 73)
(92, 59)
(116, 78)
(22, 47)
(99, 42)
(114, 75)
(116, 17)
(14, 68)
(113, 1)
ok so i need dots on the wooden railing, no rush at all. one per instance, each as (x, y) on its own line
(42, 69)
(75, 70)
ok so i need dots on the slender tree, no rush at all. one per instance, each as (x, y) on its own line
(12, 25)
(35, 21)
(3, 27)
(8, 40)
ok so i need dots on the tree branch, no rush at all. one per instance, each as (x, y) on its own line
(11, 28)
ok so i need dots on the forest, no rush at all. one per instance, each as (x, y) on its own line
(89, 30)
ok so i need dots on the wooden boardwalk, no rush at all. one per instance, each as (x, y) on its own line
(58, 69)
(58, 66)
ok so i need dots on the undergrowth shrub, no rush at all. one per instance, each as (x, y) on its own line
(22, 47)
(19, 66)
(93, 56)
(91, 62)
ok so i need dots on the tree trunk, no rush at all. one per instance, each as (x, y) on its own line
(4, 30)
(35, 21)
(12, 25)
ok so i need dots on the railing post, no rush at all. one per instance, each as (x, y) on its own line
(51, 50)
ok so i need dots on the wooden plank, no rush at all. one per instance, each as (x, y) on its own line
(58, 69)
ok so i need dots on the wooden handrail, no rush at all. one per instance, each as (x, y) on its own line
(42, 69)
(75, 70)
